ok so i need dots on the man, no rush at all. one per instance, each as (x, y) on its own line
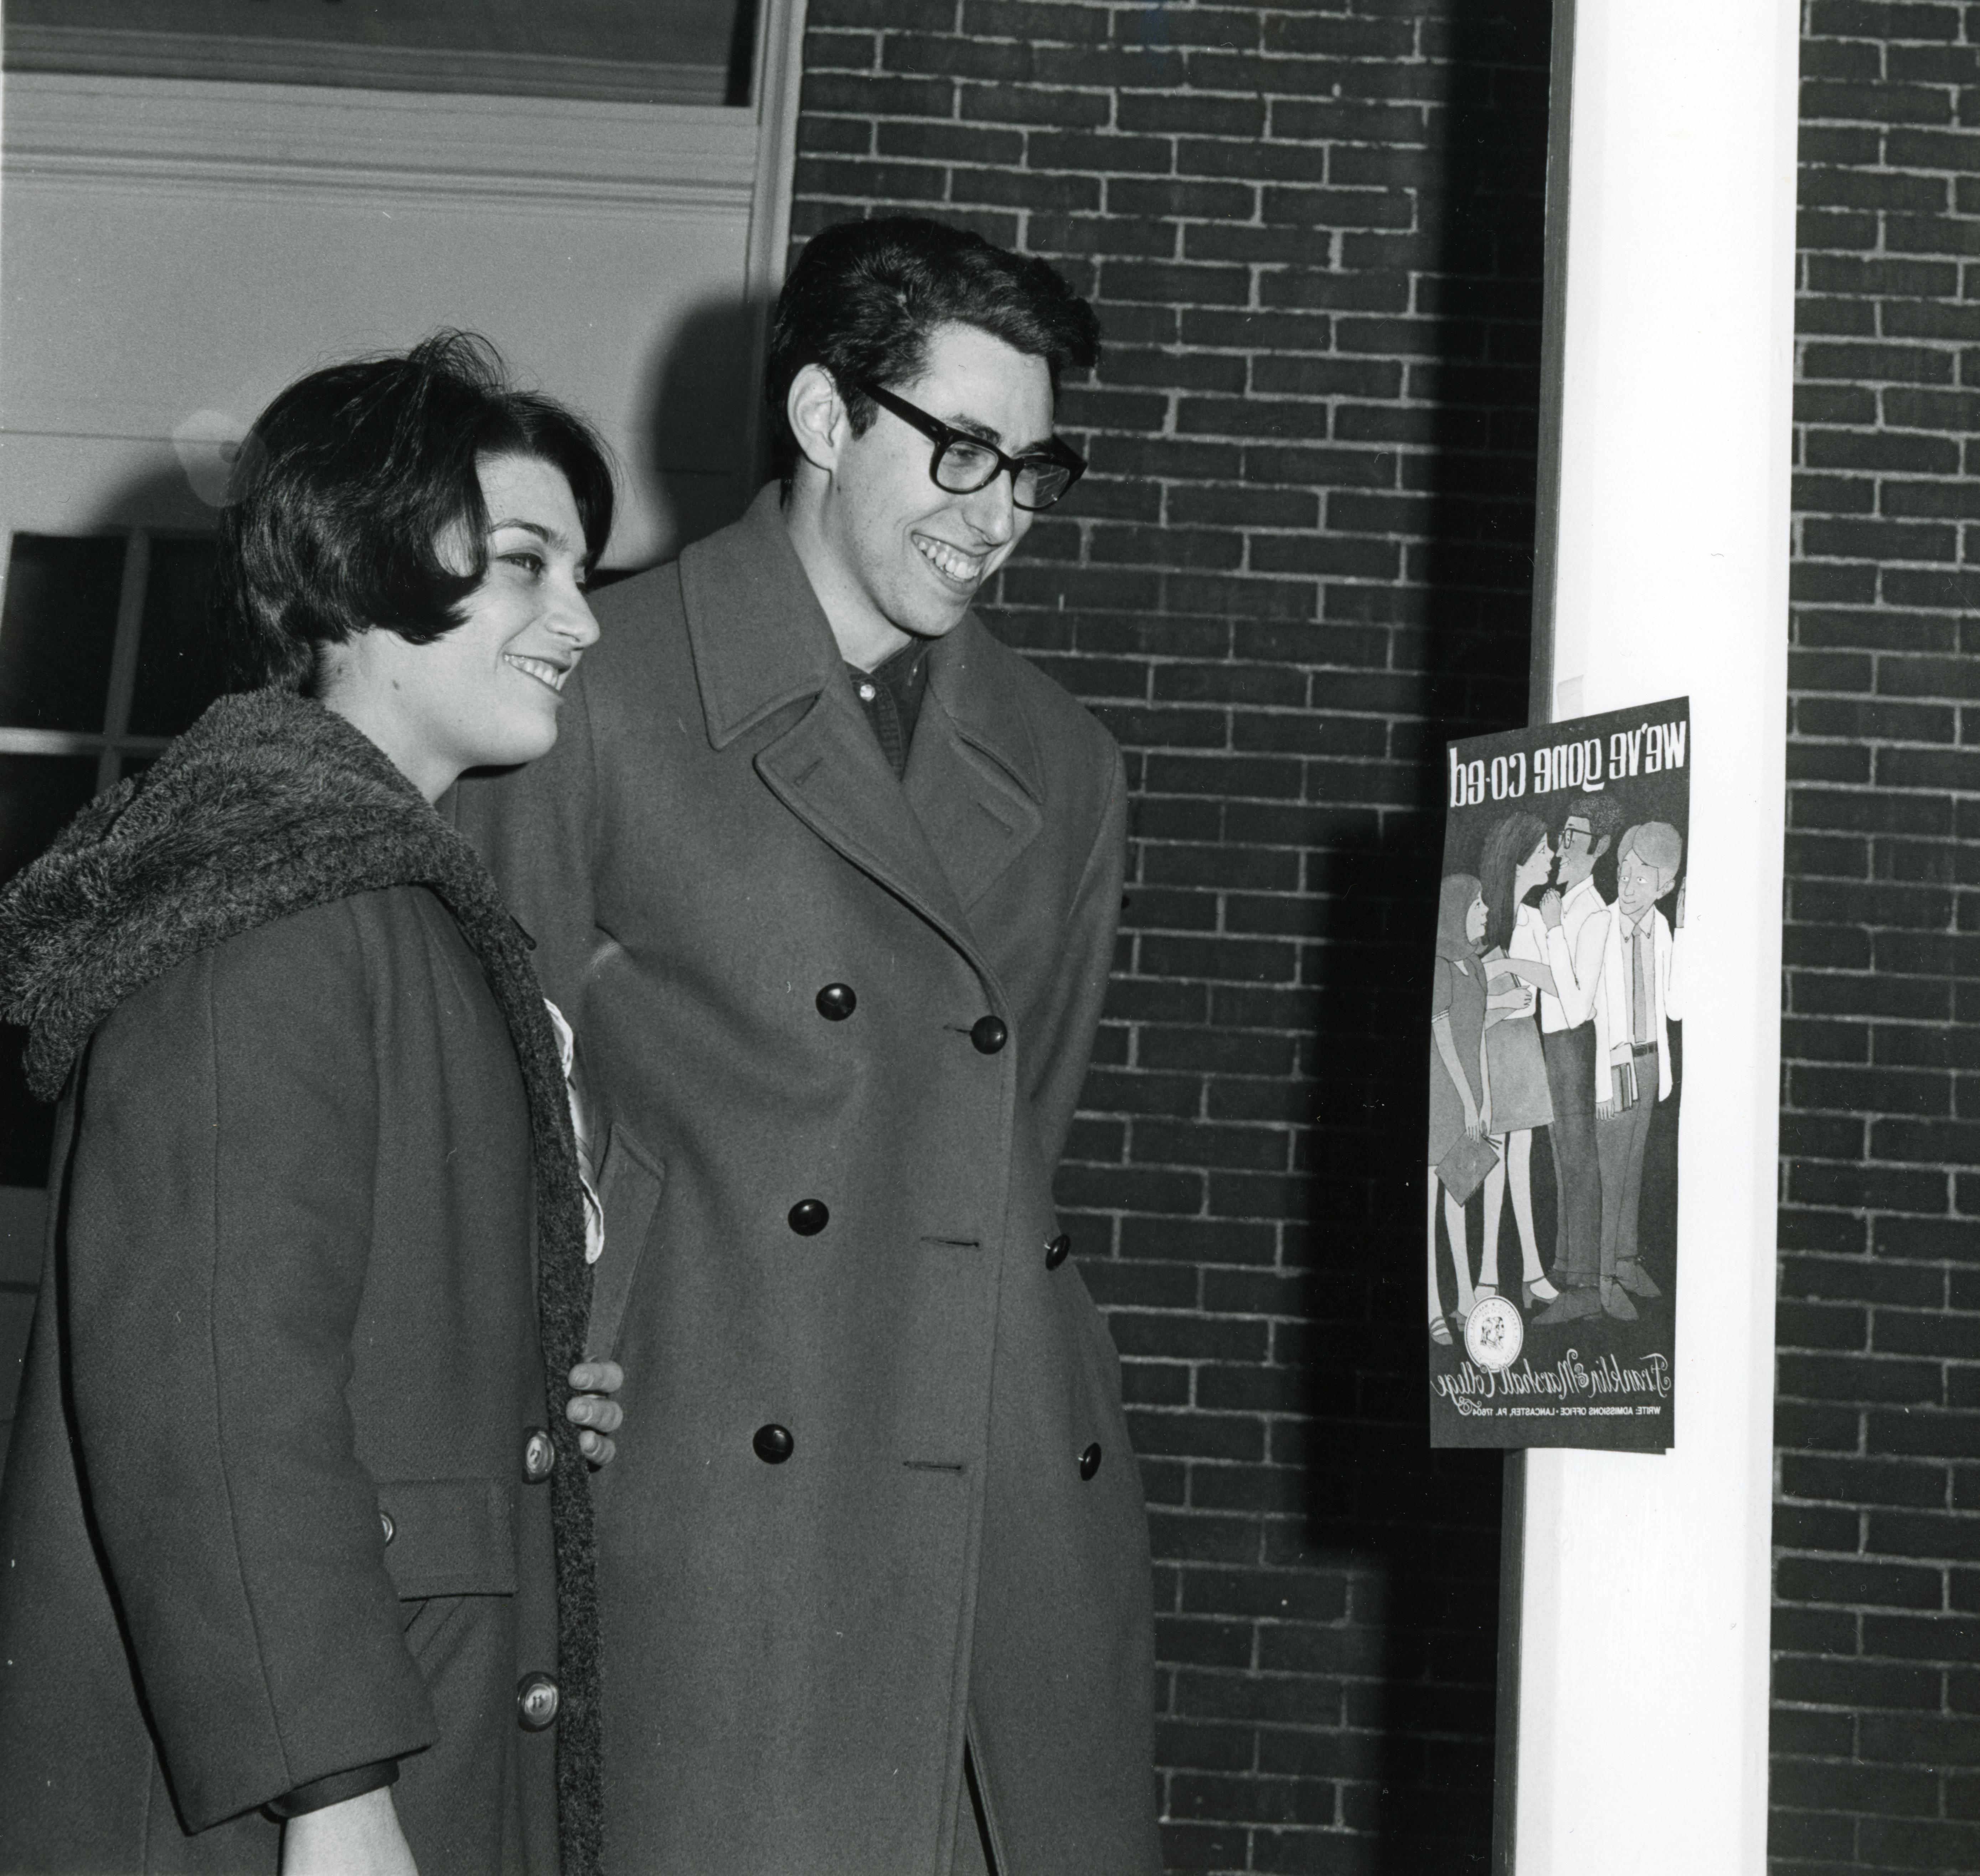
(1574, 1040)
(1643, 984)
(828, 879)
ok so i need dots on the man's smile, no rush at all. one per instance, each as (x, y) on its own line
(959, 568)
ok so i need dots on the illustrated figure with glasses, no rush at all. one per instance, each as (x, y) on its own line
(827, 879)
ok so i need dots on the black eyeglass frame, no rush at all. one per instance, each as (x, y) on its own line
(1058, 455)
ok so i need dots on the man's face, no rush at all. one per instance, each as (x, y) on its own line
(915, 553)
(1638, 885)
(1577, 852)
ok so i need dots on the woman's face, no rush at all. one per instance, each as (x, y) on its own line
(1533, 870)
(485, 694)
(1474, 919)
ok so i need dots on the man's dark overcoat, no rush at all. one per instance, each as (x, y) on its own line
(828, 1191)
(266, 1516)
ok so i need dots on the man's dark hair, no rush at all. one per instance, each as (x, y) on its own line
(356, 505)
(864, 296)
(1604, 816)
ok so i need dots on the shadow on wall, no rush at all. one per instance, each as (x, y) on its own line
(1423, 1527)
(699, 435)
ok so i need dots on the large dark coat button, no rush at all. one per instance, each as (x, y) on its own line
(836, 1002)
(1057, 1250)
(385, 1525)
(1089, 1460)
(774, 1444)
(536, 1702)
(808, 1217)
(539, 1455)
(989, 1034)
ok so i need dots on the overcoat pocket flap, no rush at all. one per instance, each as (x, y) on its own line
(628, 1189)
(450, 1537)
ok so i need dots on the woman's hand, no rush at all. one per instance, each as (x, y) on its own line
(1474, 1125)
(594, 1411)
(359, 1837)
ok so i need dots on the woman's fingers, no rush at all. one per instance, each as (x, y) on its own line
(596, 1415)
(597, 1418)
(596, 1411)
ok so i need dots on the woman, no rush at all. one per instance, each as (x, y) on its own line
(296, 1534)
(1517, 857)
(1460, 1084)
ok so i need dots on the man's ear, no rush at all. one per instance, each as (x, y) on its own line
(818, 416)
(1599, 848)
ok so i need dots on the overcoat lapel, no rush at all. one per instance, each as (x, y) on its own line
(972, 776)
(828, 769)
(761, 644)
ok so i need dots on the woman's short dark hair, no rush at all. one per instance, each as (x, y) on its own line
(864, 296)
(355, 503)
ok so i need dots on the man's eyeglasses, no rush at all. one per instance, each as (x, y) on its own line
(963, 464)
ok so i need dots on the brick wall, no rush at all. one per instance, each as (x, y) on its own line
(1302, 560)
(1876, 1732)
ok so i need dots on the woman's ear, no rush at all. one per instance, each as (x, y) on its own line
(818, 416)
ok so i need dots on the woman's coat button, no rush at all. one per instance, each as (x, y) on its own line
(774, 1444)
(1089, 1460)
(539, 1455)
(989, 1034)
(808, 1217)
(1057, 1250)
(385, 1525)
(836, 1002)
(536, 1700)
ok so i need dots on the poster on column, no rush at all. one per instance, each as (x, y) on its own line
(1556, 1058)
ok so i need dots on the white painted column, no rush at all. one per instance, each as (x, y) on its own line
(1644, 1605)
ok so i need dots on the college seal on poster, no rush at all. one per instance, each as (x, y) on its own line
(1493, 1334)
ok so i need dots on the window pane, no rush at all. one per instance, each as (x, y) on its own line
(26, 1126)
(658, 51)
(38, 795)
(57, 630)
(179, 669)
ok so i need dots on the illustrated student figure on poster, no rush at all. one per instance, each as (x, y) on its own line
(1460, 1088)
(1642, 983)
(1574, 1040)
(1518, 858)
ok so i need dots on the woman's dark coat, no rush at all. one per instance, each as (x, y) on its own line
(780, 959)
(266, 1517)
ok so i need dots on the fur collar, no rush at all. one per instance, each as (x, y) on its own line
(269, 805)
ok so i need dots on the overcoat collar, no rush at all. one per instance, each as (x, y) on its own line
(973, 799)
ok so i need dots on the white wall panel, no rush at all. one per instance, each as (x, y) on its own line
(172, 254)
(1645, 1604)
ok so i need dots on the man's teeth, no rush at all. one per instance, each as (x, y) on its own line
(541, 668)
(949, 561)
